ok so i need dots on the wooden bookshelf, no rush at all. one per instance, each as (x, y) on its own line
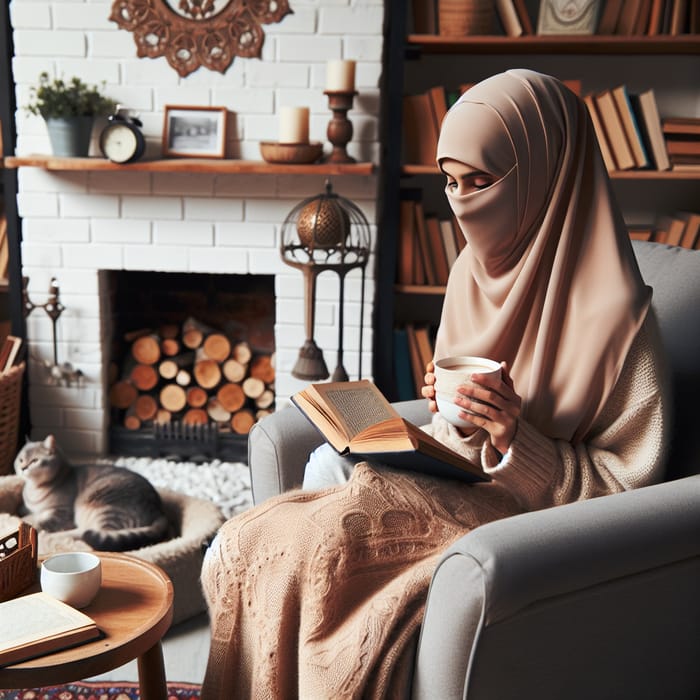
(415, 62)
(550, 44)
(188, 165)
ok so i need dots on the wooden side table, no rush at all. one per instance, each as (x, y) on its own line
(134, 609)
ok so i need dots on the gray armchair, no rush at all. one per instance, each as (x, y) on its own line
(596, 599)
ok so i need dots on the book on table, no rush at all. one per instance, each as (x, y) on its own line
(38, 624)
(355, 418)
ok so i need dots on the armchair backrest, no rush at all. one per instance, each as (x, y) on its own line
(674, 275)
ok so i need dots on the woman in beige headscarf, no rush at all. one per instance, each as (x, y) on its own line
(319, 593)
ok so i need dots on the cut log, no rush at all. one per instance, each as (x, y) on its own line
(146, 349)
(253, 387)
(173, 398)
(195, 416)
(217, 412)
(196, 397)
(144, 377)
(242, 421)
(169, 347)
(131, 420)
(262, 368)
(231, 397)
(194, 332)
(242, 352)
(207, 373)
(122, 394)
(168, 369)
(146, 407)
(262, 413)
(163, 416)
(266, 399)
(233, 370)
(183, 377)
(217, 347)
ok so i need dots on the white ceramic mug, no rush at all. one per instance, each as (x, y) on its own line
(73, 577)
(451, 372)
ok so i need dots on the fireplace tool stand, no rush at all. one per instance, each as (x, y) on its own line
(63, 373)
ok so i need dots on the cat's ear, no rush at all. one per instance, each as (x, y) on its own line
(50, 442)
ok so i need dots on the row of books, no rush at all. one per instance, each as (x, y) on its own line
(680, 229)
(428, 245)
(413, 349)
(422, 115)
(604, 17)
(632, 135)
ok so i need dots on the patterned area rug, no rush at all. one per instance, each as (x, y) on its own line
(98, 691)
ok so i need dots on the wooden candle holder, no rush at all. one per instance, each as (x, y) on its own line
(339, 130)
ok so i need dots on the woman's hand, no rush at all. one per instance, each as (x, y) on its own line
(428, 390)
(492, 404)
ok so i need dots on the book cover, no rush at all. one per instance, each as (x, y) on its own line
(629, 124)
(448, 241)
(609, 16)
(437, 248)
(508, 14)
(605, 149)
(647, 111)
(420, 135)
(614, 130)
(355, 418)
(424, 251)
(38, 624)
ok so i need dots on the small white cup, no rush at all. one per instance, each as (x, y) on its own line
(451, 372)
(73, 577)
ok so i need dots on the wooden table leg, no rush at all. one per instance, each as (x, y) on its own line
(152, 674)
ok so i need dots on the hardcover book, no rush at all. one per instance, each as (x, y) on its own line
(38, 624)
(355, 418)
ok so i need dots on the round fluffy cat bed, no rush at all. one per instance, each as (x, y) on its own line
(193, 521)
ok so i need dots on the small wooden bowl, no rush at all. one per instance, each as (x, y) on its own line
(275, 152)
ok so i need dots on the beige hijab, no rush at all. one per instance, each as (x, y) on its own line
(548, 280)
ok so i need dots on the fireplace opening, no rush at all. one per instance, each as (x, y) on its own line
(190, 361)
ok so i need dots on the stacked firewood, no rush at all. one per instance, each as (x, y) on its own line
(193, 374)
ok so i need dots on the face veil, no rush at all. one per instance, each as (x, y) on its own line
(548, 257)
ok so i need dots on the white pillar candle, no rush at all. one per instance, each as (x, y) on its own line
(340, 76)
(294, 125)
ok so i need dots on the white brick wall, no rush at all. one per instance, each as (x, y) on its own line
(75, 223)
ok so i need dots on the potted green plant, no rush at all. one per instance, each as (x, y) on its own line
(69, 109)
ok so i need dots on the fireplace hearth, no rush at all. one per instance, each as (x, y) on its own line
(190, 362)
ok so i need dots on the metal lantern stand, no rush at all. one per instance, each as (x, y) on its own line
(325, 232)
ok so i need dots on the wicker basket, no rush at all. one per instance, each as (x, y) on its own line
(18, 566)
(10, 399)
(458, 18)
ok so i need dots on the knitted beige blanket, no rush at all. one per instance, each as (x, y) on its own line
(320, 595)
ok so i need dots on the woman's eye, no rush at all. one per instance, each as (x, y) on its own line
(481, 183)
(451, 185)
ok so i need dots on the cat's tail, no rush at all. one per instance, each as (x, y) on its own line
(128, 539)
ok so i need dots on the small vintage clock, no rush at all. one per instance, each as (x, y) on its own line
(122, 140)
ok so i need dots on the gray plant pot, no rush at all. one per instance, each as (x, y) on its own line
(70, 136)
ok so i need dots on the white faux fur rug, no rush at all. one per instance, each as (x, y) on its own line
(227, 484)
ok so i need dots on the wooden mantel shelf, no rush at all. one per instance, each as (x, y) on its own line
(189, 165)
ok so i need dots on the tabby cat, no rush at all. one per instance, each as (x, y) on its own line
(110, 508)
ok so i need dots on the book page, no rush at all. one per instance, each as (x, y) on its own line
(359, 404)
(32, 617)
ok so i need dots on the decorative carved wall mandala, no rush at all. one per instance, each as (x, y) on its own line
(194, 33)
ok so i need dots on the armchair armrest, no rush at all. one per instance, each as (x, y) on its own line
(596, 599)
(280, 444)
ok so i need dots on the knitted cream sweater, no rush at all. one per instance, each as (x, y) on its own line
(319, 595)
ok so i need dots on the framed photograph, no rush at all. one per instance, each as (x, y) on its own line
(194, 132)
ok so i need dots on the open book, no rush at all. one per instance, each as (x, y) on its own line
(355, 417)
(37, 624)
